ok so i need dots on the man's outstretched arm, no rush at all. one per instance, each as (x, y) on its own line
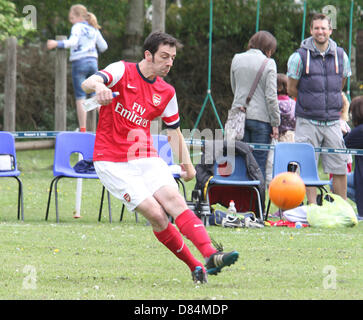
(180, 149)
(95, 83)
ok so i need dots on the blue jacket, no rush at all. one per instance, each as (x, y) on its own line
(320, 85)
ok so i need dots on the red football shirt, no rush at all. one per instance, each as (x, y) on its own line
(123, 130)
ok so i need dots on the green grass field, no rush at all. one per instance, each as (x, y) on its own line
(86, 259)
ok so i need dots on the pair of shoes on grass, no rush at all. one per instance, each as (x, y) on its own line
(214, 265)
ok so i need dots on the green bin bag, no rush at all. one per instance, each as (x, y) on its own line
(334, 212)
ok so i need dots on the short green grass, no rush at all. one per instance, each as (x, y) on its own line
(86, 259)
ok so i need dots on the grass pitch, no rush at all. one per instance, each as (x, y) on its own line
(86, 259)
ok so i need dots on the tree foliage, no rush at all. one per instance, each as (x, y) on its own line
(234, 22)
(10, 23)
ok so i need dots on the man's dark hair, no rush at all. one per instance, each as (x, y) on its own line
(264, 41)
(155, 39)
(356, 110)
(320, 16)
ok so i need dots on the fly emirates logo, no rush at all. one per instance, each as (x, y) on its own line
(134, 115)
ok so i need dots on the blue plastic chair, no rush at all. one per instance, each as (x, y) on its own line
(304, 155)
(7, 147)
(232, 171)
(163, 147)
(67, 143)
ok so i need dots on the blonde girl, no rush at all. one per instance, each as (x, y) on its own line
(84, 42)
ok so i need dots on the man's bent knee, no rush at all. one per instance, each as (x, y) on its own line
(154, 213)
(171, 200)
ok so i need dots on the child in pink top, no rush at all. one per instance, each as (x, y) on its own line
(288, 120)
(287, 111)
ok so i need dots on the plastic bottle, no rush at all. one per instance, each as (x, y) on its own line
(298, 225)
(232, 208)
(292, 166)
(92, 103)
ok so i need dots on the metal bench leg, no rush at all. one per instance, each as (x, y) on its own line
(101, 204)
(49, 198)
(20, 199)
(109, 206)
(56, 199)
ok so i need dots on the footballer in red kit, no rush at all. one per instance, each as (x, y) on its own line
(128, 165)
(130, 114)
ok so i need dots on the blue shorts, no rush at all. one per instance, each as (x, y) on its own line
(81, 70)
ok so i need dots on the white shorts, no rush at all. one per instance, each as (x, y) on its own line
(134, 181)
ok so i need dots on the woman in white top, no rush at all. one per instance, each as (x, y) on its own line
(84, 42)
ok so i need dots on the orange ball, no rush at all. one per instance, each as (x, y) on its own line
(287, 190)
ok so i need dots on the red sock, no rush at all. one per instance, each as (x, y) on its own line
(82, 129)
(193, 228)
(173, 240)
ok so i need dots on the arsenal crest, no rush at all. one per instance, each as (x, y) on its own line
(156, 99)
(127, 197)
